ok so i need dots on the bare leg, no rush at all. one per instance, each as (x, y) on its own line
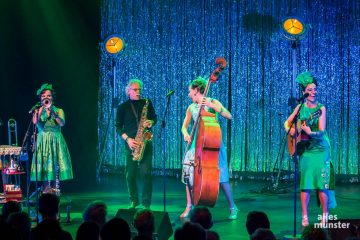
(188, 204)
(305, 198)
(324, 205)
(225, 186)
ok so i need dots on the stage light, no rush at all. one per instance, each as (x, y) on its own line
(113, 44)
(111, 48)
(293, 28)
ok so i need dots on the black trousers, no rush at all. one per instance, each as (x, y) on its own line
(140, 172)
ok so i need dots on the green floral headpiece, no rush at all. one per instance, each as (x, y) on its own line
(44, 87)
(305, 78)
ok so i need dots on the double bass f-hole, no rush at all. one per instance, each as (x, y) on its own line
(197, 165)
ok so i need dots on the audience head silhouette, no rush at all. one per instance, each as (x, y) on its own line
(255, 220)
(202, 216)
(144, 222)
(95, 211)
(190, 231)
(263, 234)
(116, 228)
(20, 221)
(88, 231)
(10, 207)
(212, 235)
(50, 227)
(312, 233)
(49, 206)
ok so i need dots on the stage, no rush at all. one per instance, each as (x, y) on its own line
(249, 195)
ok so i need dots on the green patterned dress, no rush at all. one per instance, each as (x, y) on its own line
(51, 152)
(316, 168)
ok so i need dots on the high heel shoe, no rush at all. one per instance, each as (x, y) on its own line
(233, 213)
(305, 221)
(186, 212)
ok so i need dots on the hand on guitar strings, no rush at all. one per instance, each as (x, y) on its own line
(306, 128)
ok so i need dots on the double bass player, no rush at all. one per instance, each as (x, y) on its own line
(211, 105)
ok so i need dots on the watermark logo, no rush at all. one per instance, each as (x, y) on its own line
(333, 224)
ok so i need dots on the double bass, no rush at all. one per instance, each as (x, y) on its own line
(205, 188)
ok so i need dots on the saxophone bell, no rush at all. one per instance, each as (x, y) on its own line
(148, 135)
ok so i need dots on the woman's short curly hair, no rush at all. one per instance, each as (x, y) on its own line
(199, 83)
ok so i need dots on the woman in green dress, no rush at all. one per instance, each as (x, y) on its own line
(316, 169)
(51, 159)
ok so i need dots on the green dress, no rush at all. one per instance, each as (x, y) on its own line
(51, 152)
(316, 168)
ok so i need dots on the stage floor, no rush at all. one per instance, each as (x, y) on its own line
(248, 196)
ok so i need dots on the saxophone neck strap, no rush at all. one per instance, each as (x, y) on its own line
(135, 113)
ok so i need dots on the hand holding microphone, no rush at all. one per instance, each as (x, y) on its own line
(35, 107)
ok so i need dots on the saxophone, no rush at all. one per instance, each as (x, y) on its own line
(142, 136)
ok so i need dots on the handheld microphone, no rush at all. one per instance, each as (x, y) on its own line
(37, 105)
(171, 92)
(303, 97)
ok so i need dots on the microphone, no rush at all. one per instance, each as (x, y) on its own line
(37, 105)
(303, 97)
(171, 92)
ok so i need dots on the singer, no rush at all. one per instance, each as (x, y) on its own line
(51, 158)
(316, 168)
(196, 93)
(130, 124)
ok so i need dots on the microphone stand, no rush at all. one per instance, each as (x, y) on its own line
(36, 171)
(295, 158)
(162, 126)
(24, 156)
(34, 156)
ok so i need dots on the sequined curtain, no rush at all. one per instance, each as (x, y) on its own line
(169, 43)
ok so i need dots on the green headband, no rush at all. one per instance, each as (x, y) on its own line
(304, 78)
(44, 87)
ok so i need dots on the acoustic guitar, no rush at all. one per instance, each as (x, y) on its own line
(302, 139)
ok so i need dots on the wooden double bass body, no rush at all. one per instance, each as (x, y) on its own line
(208, 143)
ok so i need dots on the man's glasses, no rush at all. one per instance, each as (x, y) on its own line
(136, 89)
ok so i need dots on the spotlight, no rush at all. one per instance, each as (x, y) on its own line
(293, 28)
(113, 44)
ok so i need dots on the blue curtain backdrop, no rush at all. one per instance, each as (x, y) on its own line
(169, 43)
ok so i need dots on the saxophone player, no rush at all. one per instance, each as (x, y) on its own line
(130, 121)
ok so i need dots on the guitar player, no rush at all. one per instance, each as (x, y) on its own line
(316, 168)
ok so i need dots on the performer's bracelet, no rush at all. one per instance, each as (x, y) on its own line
(127, 138)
